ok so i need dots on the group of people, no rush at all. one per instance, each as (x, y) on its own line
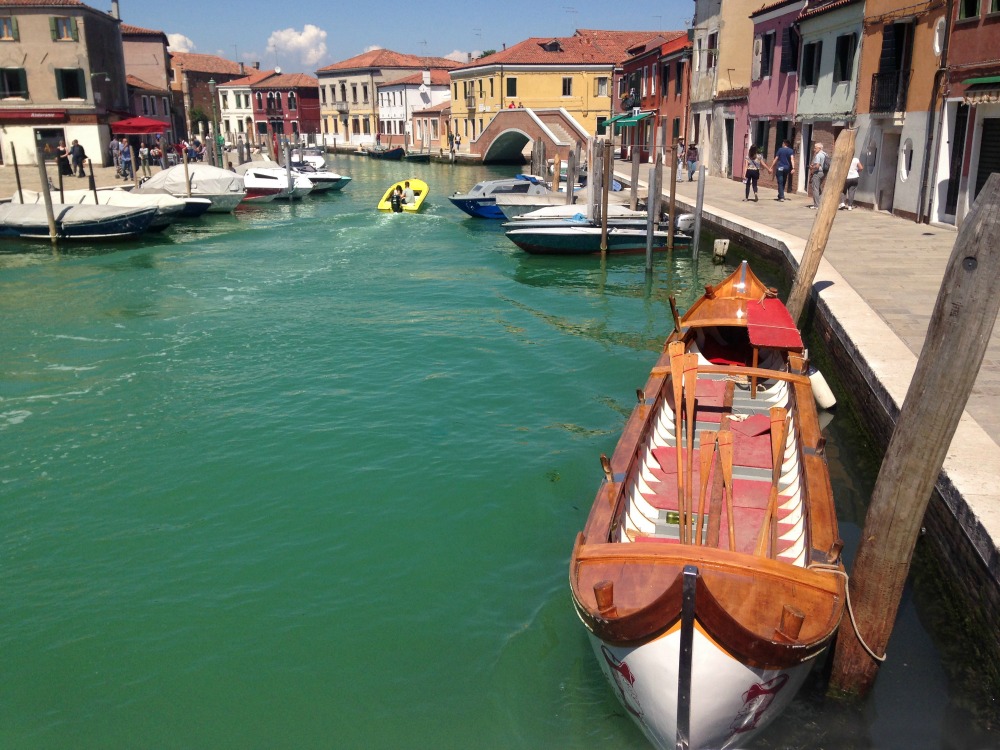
(400, 197)
(783, 165)
(145, 156)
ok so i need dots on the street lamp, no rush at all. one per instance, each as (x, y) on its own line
(216, 153)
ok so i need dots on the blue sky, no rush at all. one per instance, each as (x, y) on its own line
(303, 35)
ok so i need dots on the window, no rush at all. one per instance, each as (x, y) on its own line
(789, 50)
(8, 29)
(567, 86)
(364, 93)
(152, 105)
(354, 93)
(678, 77)
(13, 83)
(343, 92)
(766, 54)
(994, 8)
(712, 51)
(511, 87)
(491, 88)
(166, 109)
(367, 125)
(762, 131)
(455, 95)
(968, 9)
(480, 88)
(843, 64)
(260, 100)
(322, 94)
(601, 127)
(601, 86)
(293, 103)
(225, 100)
(145, 105)
(697, 57)
(64, 29)
(70, 83)
(434, 129)
(812, 54)
(676, 131)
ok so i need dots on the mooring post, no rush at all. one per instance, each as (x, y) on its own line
(698, 206)
(956, 340)
(571, 176)
(650, 220)
(633, 202)
(843, 153)
(43, 178)
(672, 212)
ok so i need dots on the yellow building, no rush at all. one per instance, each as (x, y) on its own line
(579, 74)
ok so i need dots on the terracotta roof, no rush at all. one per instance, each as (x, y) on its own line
(40, 4)
(386, 58)
(771, 6)
(655, 42)
(287, 81)
(138, 83)
(442, 107)
(199, 63)
(130, 30)
(438, 78)
(256, 76)
(818, 10)
(586, 46)
(732, 94)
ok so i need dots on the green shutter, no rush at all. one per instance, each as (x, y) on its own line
(22, 80)
(60, 92)
(73, 30)
(52, 27)
(13, 28)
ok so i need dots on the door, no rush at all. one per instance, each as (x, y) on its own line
(989, 153)
(955, 160)
(885, 187)
(730, 127)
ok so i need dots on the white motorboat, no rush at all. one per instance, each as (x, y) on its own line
(224, 188)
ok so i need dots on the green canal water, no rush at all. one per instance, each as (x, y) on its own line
(308, 476)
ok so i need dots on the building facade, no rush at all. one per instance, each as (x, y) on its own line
(897, 92)
(236, 107)
(399, 99)
(347, 92)
(285, 107)
(194, 80)
(430, 127)
(577, 74)
(62, 74)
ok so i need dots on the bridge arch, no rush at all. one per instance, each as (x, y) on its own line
(510, 130)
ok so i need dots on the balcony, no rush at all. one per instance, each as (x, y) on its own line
(341, 107)
(274, 111)
(470, 102)
(889, 91)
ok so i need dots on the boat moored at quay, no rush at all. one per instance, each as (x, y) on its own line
(708, 575)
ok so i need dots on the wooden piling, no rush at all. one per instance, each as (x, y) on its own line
(698, 206)
(634, 189)
(843, 153)
(672, 211)
(571, 176)
(43, 177)
(956, 340)
(650, 220)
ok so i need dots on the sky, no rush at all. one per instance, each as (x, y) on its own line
(300, 36)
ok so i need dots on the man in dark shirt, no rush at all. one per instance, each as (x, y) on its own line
(77, 156)
(784, 163)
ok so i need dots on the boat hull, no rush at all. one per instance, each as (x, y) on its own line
(582, 240)
(98, 223)
(479, 208)
(389, 154)
(731, 703)
(420, 191)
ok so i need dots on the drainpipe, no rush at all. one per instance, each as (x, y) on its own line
(924, 216)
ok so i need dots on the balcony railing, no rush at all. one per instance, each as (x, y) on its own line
(342, 107)
(272, 110)
(889, 91)
(470, 102)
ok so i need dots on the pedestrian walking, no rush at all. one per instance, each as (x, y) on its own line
(126, 159)
(782, 166)
(752, 173)
(692, 160)
(851, 185)
(77, 156)
(62, 159)
(116, 156)
(144, 159)
(818, 168)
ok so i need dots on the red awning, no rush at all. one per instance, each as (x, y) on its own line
(139, 126)
(769, 324)
(52, 115)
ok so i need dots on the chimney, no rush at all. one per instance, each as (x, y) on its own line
(256, 65)
(243, 69)
(114, 10)
(469, 54)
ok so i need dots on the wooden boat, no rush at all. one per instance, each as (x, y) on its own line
(421, 157)
(709, 576)
(420, 191)
(384, 152)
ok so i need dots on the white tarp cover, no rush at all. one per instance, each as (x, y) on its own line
(205, 180)
(33, 215)
(117, 197)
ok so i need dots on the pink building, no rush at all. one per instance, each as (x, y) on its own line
(774, 81)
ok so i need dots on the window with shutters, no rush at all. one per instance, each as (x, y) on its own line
(567, 86)
(968, 9)
(766, 54)
(145, 105)
(8, 29)
(70, 83)
(601, 86)
(63, 29)
(843, 62)
(812, 54)
(152, 106)
(713, 51)
(789, 50)
(13, 83)
(293, 101)
(678, 77)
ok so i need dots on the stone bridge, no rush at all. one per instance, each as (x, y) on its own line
(504, 139)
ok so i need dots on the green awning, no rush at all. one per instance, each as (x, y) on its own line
(630, 121)
(616, 118)
(979, 81)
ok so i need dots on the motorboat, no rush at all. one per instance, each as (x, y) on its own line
(420, 191)
(269, 179)
(168, 208)
(584, 239)
(75, 221)
(481, 201)
(322, 179)
(223, 188)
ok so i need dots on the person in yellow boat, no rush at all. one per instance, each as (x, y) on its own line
(396, 200)
(408, 196)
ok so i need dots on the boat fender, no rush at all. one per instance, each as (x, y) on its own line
(821, 391)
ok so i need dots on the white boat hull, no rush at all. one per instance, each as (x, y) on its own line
(730, 702)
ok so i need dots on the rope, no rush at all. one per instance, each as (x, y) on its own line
(850, 607)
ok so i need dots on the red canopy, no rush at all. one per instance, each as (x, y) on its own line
(769, 324)
(139, 126)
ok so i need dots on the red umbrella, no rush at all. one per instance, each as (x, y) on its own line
(139, 126)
